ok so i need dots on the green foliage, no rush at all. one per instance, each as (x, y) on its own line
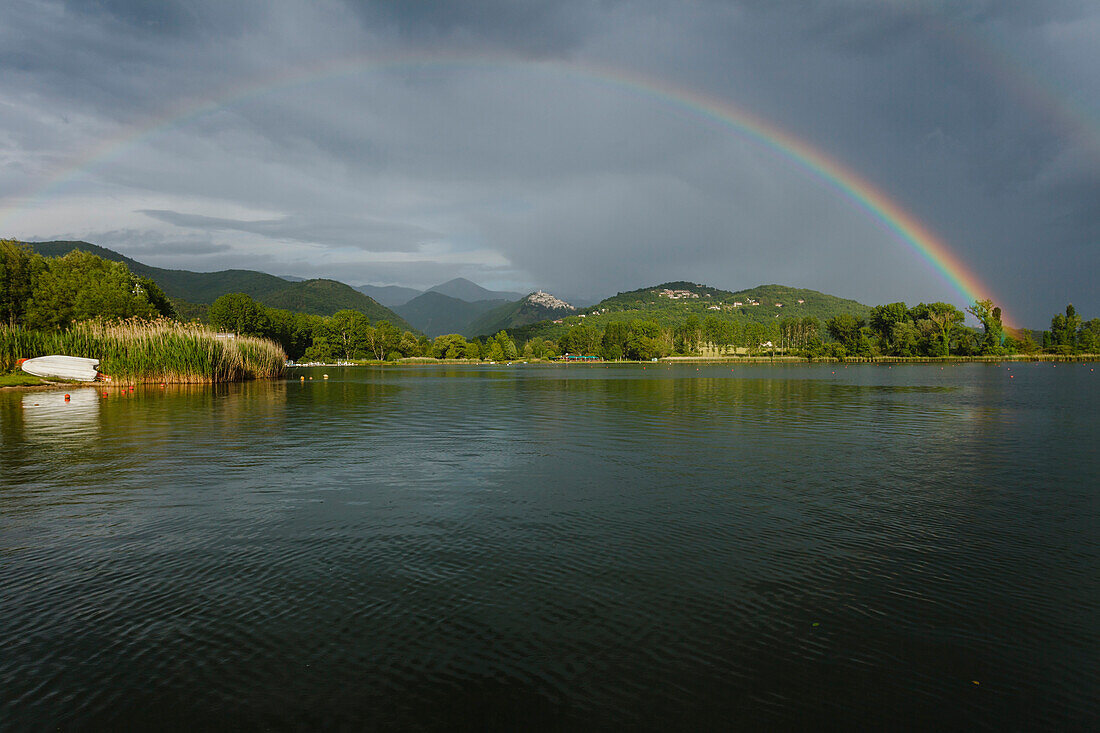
(81, 286)
(17, 269)
(238, 313)
(325, 298)
(142, 351)
(513, 315)
(315, 297)
(1068, 335)
(450, 346)
(1063, 329)
(937, 320)
(737, 309)
(990, 318)
(1088, 339)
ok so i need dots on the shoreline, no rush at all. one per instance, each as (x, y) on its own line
(668, 360)
(1057, 358)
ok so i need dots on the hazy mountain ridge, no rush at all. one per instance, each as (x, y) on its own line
(436, 314)
(390, 296)
(471, 292)
(318, 296)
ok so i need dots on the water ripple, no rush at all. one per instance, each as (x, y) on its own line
(553, 548)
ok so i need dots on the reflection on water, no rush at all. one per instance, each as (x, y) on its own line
(555, 547)
(56, 416)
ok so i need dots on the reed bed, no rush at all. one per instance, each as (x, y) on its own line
(132, 352)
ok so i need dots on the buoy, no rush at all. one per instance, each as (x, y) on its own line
(303, 379)
(104, 394)
(66, 398)
(325, 376)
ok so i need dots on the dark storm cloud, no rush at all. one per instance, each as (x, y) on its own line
(537, 27)
(328, 229)
(517, 174)
(138, 243)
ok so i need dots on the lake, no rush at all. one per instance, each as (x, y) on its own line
(554, 547)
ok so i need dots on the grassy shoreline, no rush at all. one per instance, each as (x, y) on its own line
(425, 361)
(149, 352)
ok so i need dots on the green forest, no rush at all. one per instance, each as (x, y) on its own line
(56, 293)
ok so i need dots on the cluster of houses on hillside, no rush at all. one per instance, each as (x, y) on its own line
(746, 303)
(677, 294)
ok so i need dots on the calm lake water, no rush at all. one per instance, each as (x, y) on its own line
(558, 547)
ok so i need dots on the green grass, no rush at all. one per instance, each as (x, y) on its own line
(162, 351)
(20, 379)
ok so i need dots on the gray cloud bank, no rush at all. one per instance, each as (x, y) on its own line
(495, 151)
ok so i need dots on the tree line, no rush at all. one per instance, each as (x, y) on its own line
(348, 335)
(938, 329)
(46, 293)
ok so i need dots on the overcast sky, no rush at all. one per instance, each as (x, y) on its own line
(404, 142)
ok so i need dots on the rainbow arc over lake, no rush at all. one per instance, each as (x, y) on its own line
(865, 196)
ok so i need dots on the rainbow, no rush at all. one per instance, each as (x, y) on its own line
(866, 197)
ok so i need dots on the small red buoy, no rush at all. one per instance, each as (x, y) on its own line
(104, 394)
(66, 398)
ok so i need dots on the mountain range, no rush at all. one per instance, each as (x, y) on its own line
(318, 296)
(459, 288)
(435, 313)
(462, 306)
(669, 304)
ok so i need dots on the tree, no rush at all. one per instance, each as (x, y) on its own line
(613, 341)
(450, 346)
(1089, 337)
(944, 317)
(990, 318)
(1063, 330)
(81, 286)
(409, 346)
(507, 346)
(17, 269)
(903, 339)
(646, 341)
(351, 335)
(884, 319)
(386, 339)
(688, 335)
(239, 313)
(847, 329)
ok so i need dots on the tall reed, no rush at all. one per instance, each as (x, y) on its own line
(135, 351)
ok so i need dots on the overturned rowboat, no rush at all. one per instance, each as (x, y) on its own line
(72, 368)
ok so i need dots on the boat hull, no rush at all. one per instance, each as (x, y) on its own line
(73, 368)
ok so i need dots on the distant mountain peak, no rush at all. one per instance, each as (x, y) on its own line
(471, 292)
(546, 300)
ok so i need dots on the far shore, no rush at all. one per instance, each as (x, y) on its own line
(778, 359)
(15, 381)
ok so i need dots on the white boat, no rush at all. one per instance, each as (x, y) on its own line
(73, 368)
